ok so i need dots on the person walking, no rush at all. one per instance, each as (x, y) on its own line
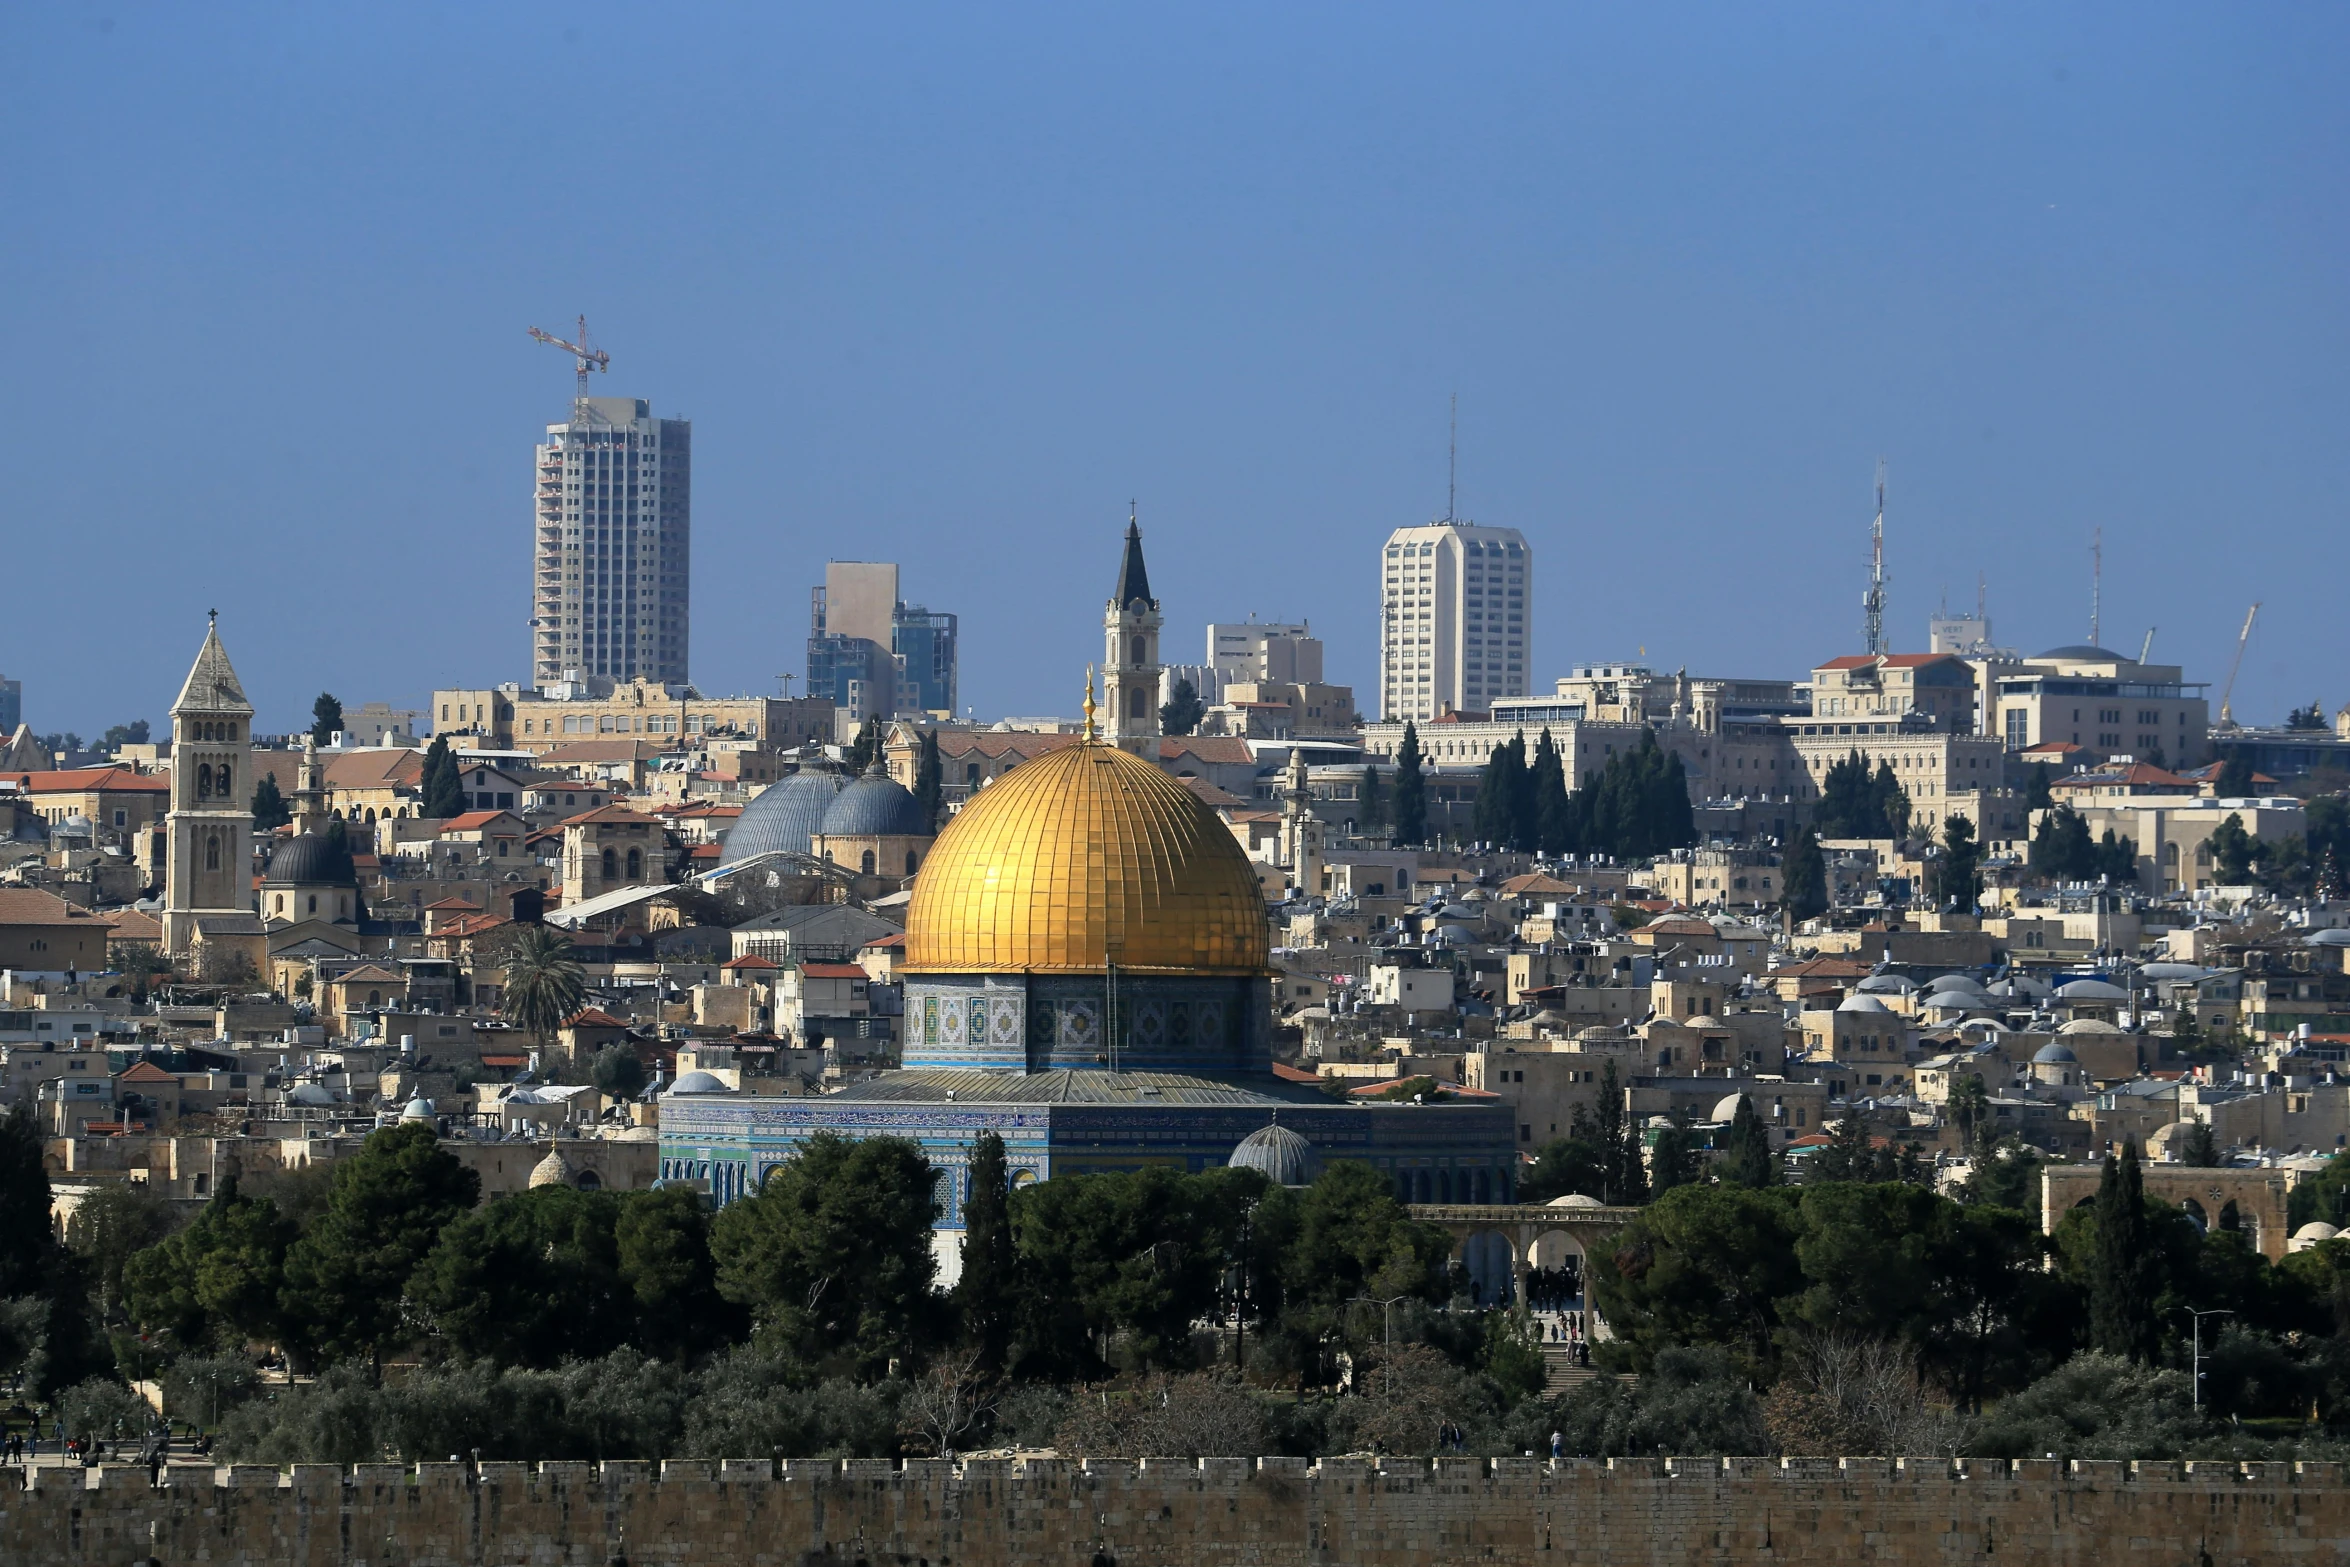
(1558, 1445)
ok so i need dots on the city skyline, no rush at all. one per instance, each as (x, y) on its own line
(2072, 279)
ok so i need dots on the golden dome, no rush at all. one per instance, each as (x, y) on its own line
(1086, 856)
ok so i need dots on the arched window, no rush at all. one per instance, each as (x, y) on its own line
(204, 782)
(212, 851)
(313, 903)
(611, 865)
(1134, 703)
(865, 864)
(636, 864)
(220, 780)
(971, 774)
(1137, 658)
(375, 998)
(912, 860)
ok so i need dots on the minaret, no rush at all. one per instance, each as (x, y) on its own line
(310, 813)
(208, 857)
(1301, 829)
(1130, 663)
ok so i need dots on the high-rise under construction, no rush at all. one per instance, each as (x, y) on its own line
(613, 554)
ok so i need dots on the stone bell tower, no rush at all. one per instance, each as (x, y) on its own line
(1130, 657)
(208, 832)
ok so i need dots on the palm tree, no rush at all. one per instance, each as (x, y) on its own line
(542, 980)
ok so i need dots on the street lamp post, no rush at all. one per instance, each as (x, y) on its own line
(2198, 1342)
(1387, 1323)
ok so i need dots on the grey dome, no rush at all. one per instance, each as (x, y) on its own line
(1955, 982)
(699, 1083)
(1860, 1003)
(309, 1094)
(2084, 650)
(2091, 990)
(1278, 1154)
(418, 1109)
(1886, 985)
(308, 857)
(2054, 1055)
(785, 815)
(875, 806)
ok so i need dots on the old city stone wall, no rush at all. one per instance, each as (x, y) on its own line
(1277, 1512)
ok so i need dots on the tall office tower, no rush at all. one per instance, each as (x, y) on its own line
(924, 643)
(613, 560)
(872, 653)
(1453, 605)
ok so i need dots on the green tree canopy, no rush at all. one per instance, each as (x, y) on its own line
(219, 1281)
(1411, 790)
(616, 1072)
(442, 789)
(326, 717)
(831, 1255)
(388, 1205)
(542, 979)
(988, 1292)
(270, 810)
(929, 780)
(1181, 712)
(1803, 877)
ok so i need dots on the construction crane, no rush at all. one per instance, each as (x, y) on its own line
(2242, 637)
(589, 356)
(2146, 649)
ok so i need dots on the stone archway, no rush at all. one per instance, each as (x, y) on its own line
(1521, 1226)
(2256, 1195)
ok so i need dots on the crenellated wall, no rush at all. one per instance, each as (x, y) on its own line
(1247, 1513)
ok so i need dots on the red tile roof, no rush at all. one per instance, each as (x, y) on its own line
(832, 971)
(473, 820)
(144, 1072)
(32, 906)
(896, 938)
(84, 780)
(750, 960)
(1889, 660)
(592, 1017)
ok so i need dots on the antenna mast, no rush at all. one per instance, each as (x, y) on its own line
(2096, 584)
(1872, 603)
(1452, 461)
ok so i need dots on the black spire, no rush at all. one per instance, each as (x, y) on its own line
(1134, 580)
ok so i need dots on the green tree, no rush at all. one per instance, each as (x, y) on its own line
(864, 748)
(1354, 1239)
(2235, 781)
(1971, 1113)
(1181, 712)
(326, 717)
(616, 1072)
(108, 1229)
(2037, 794)
(442, 790)
(1411, 790)
(217, 1282)
(1571, 1165)
(1892, 801)
(987, 1294)
(1702, 1264)
(532, 1279)
(2199, 1147)
(48, 1334)
(1803, 877)
(1558, 826)
(1673, 1159)
(270, 810)
(386, 1210)
(671, 1276)
(2311, 717)
(1747, 1156)
(2062, 849)
(119, 735)
(2117, 859)
(1500, 795)
(1370, 803)
(2124, 1280)
(2231, 851)
(832, 1255)
(2000, 1318)
(542, 978)
(929, 780)
(1851, 803)
(1958, 876)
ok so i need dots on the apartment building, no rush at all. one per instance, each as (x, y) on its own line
(612, 562)
(1454, 606)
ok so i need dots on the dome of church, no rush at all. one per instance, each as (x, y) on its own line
(418, 1109)
(553, 1170)
(2055, 1055)
(1081, 858)
(785, 814)
(1276, 1153)
(875, 806)
(309, 857)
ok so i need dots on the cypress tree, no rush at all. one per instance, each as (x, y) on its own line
(1803, 877)
(1495, 788)
(929, 779)
(1554, 808)
(986, 1294)
(1747, 1156)
(1411, 790)
(1631, 1165)
(2122, 1318)
(443, 790)
(269, 806)
(1518, 773)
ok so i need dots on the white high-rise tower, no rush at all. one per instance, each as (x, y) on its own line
(1454, 603)
(612, 559)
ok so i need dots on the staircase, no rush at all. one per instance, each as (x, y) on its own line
(1562, 1373)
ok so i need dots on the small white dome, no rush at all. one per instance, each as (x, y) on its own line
(1886, 985)
(2091, 990)
(2088, 1025)
(309, 1094)
(1859, 1003)
(2316, 1230)
(699, 1083)
(418, 1109)
(1574, 1200)
(1726, 1111)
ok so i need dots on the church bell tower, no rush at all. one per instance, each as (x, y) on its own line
(208, 833)
(1130, 657)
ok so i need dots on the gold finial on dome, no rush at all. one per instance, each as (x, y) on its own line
(1091, 734)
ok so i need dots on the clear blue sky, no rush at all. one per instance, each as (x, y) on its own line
(949, 285)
